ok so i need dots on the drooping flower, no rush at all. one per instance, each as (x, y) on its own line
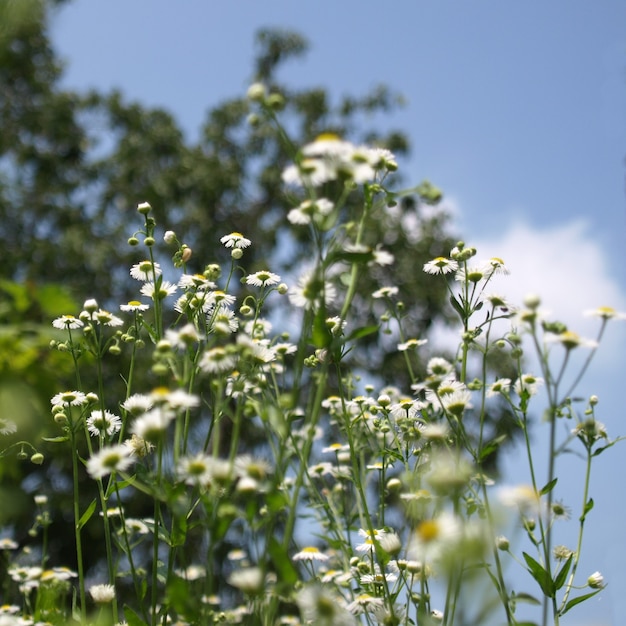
(106, 318)
(310, 553)
(235, 240)
(7, 426)
(441, 265)
(310, 210)
(73, 398)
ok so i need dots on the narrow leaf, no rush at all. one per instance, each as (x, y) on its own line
(540, 575)
(361, 332)
(561, 577)
(132, 618)
(526, 597)
(60, 439)
(86, 516)
(549, 487)
(586, 510)
(574, 601)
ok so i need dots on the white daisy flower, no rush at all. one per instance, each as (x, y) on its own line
(145, 271)
(103, 423)
(309, 210)
(66, 322)
(134, 305)
(310, 553)
(107, 319)
(165, 289)
(606, 313)
(102, 594)
(73, 398)
(235, 240)
(152, 424)
(385, 292)
(7, 426)
(137, 404)
(217, 360)
(107, 460)
(223, 321)
(441, 265)
(262, 278)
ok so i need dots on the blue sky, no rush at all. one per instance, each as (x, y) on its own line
(517, 110)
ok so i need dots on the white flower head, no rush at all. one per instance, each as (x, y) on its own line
(263, 278)
(103, 423)
(109, 459)
(441, 265)
(320, 606)
(67, 322)
(145, 271)
(235, 240)
(102, 594)
(310, 553)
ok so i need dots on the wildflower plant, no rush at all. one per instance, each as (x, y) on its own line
(257, 479)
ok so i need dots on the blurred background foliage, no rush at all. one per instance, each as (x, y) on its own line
(73, 167)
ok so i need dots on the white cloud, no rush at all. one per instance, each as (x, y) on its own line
(568, 269)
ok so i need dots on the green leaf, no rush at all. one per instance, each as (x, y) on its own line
(321, 335)
(86, 516)
(549, 487)
(361, 332)
(287, 573)
(60, 439)
(586, 510)
(561, 577)
(490, 447)
(526, 597)
(360, 256)
(132, 618)
(574, 601)
(456, 305)
(538, 572)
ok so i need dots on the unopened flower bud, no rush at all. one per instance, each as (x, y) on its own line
(90, 305)
(596, 580)
(276, 102)
(593, 400)
(37, 458)
(502, 543)
(236, 253)
(149, 241)
(256, 92)
(133, 241)
(169, 237)
(186, 254)
(144, 208)
(532, 301)
(282, 289)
